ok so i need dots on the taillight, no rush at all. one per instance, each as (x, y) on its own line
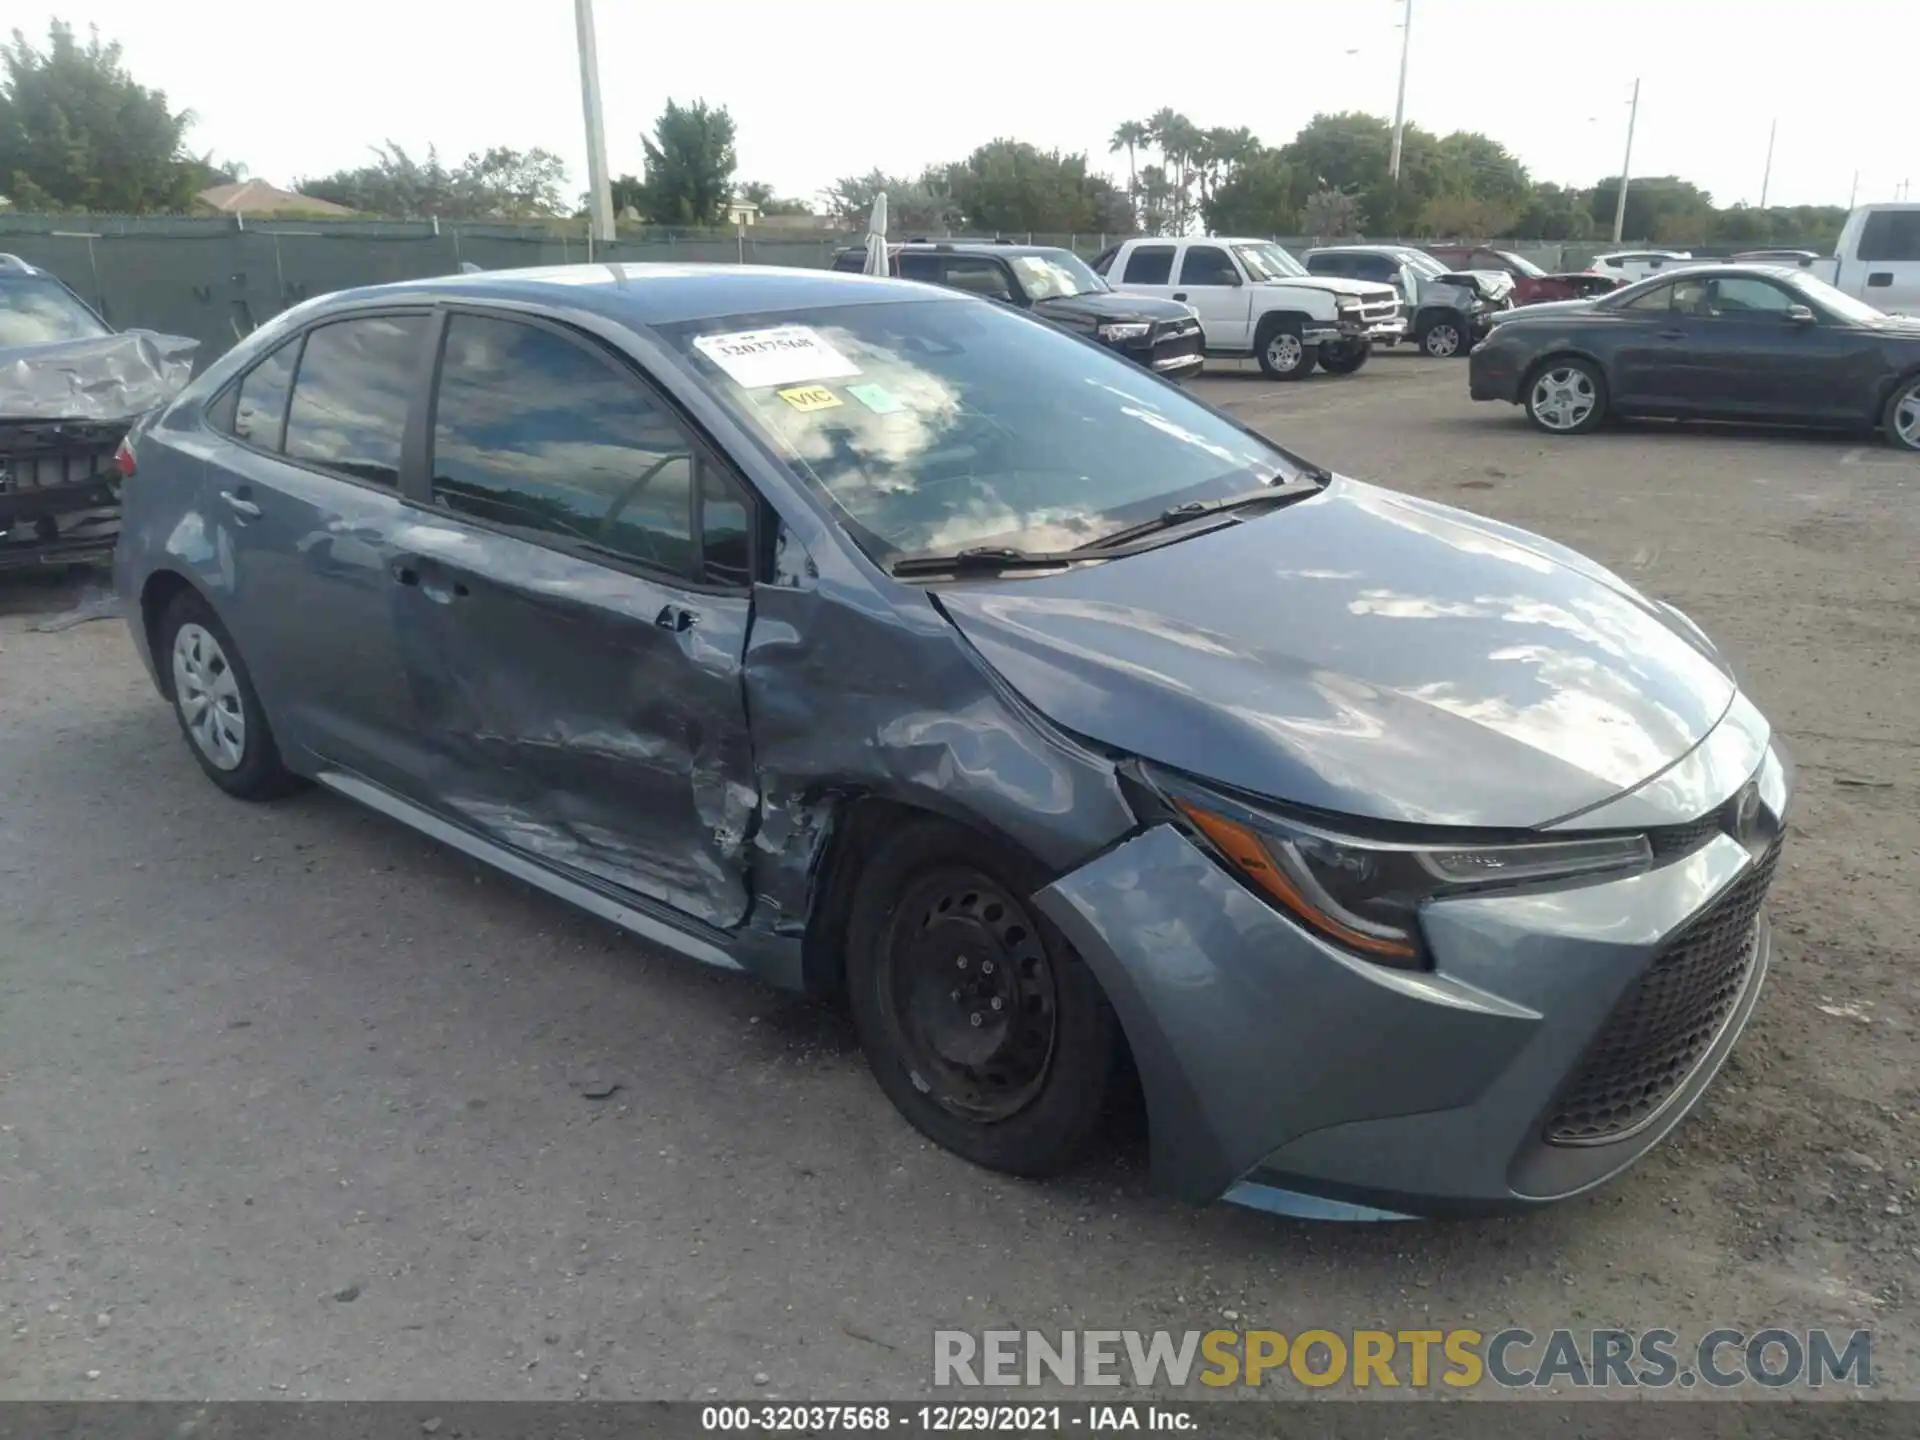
(123, 459)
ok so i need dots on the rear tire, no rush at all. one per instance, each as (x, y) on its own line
(1567, 396)
(1345, 361)
(1283, 355)
(985, 1029)
(1902, 418)
(214, 700)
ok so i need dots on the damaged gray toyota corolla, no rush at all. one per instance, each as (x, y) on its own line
(889, 644)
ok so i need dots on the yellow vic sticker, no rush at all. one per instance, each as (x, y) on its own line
(810, 397)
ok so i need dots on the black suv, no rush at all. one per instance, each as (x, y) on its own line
(1057, 285)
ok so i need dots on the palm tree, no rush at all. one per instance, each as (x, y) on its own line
(1128, 135)
(1179, 140)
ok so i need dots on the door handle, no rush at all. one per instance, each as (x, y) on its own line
(1179, 294)
(676, 618)
(240, 505)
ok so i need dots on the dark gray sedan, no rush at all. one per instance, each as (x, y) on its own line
(892, 645)
(1710, 342)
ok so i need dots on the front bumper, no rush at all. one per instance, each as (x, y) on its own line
(1388, 330)
(1493, 374)
(1283, 1073)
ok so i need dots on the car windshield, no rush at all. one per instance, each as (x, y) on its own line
(1269, 262)
(1835, 302)
(1520, 264)
(1054, 274)
(37, 311)
(1421, 264)
(935, 426)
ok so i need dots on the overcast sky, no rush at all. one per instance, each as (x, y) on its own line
(820, 90)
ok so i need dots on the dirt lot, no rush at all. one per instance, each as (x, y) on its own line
(291, 1102)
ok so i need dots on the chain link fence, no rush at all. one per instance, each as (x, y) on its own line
(215, 278)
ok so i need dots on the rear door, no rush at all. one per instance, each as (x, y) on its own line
(1886, 272)
(1210, 281)
(578, 599)
(307, 499)
(1148, 270)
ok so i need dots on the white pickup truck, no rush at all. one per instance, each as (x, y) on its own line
(1877, 259)
(1256, 299)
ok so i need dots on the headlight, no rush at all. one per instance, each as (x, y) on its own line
(1365, 894)
(1127, 330)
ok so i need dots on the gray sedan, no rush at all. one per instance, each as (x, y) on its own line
(893, 646)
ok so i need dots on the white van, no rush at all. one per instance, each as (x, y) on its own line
(1878, 258)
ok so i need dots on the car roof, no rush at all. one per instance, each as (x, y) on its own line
(655, 294)
(1363, 250)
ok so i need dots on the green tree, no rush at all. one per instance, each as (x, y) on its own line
(78, 132)
(1332, 214)
(760, 195)
(1463, 217)
(1131, 136)
(495, 184)
(690, 165)
(914, 207)
(1662, 208)
(1009, 186)
(1258, 198)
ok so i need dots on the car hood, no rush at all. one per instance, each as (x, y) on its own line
(104, 377)
(1332, 284)
(1545, 308)
(1108, 306)
(1363, 653)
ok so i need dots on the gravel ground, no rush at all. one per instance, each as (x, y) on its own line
(293, 1103)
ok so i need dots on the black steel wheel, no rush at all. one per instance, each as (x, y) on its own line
(981, 1024)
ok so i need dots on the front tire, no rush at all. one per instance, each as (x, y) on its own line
(1566, 397)
(1902, 418)
(1346, 361)
(1444, 338)
(985, 1029)
(214, 701)
(1283, 355)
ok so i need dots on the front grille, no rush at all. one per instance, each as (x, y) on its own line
(1669, 841)
(1667, 1020)
(1375, 311)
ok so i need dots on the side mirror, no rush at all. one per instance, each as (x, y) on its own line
(1800, 314)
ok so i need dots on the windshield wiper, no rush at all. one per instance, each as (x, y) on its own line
(1200, 509)
(980, 557)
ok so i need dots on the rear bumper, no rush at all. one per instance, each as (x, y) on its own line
(1285, 1074)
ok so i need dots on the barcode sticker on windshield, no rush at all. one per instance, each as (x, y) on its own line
(783, 356)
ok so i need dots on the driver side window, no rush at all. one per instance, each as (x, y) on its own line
(533, 433)
(1741, 295)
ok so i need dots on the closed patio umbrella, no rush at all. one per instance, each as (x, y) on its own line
(877, 236)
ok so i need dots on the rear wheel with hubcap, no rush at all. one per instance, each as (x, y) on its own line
(215, 703)
(1902, 420)
(1283, 355)
(1444, 338)
(980, 1022)
(1566, 397)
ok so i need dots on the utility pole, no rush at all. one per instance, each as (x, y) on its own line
(1400, 102)
(600, 198)
(1854, 193)
(1767, 177)
(1626, 165)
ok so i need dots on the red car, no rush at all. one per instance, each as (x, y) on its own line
(1531, 284)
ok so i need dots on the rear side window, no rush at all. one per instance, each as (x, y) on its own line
(1891, 235)
(1149, 265)
(1330, 264)
(535, 433)
(979, 276)
(350, 396)
(260, 403)
(918, 265)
